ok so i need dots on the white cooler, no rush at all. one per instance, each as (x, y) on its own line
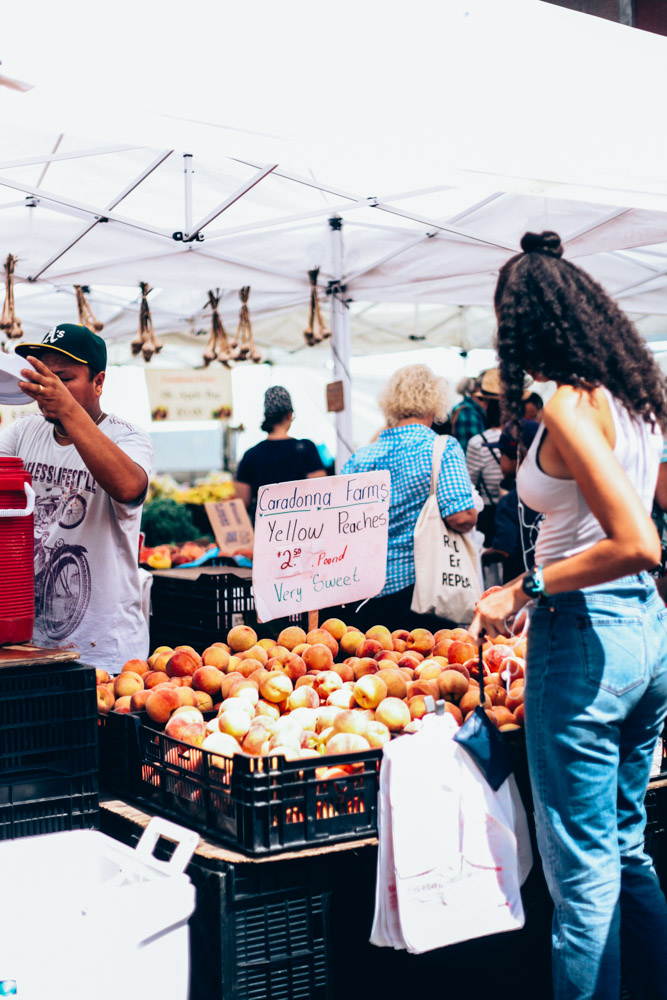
(83, 917)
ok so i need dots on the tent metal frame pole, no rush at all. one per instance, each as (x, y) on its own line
(74, 154)
(228, 202)
(188, 172)
(132, 186)
(340, 344)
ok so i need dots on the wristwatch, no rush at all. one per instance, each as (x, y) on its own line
(533, 583)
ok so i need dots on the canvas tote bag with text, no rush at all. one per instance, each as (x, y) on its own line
(447, 574)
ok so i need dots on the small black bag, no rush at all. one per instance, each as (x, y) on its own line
(479, 737)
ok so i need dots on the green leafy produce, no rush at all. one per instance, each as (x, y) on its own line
(166, 522)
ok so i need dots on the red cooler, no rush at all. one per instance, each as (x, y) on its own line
(17, 582)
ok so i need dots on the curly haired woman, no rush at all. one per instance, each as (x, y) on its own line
(596, 687)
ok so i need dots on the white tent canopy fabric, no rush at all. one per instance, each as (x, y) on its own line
(437, 138)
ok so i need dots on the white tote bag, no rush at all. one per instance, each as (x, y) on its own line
(447, 564)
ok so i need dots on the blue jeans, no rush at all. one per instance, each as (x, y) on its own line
(595, 704)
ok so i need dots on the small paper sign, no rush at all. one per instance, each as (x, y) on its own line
(320, 542)
(335, 397)
(202, 394)
(231, 526)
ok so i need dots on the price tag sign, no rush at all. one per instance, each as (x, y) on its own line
(320, 542)
(231, 526)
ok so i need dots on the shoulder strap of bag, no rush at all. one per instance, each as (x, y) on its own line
(436, 461)
(492, 450)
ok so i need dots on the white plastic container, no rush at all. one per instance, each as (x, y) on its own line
(83, 917)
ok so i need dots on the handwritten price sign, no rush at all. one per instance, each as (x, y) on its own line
(320, 542)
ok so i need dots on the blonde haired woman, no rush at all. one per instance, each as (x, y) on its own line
(413, 399)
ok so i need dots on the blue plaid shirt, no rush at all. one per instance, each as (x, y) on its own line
(407, 453)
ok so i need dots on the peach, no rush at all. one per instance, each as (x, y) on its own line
(229, 680)
(519, 714)
(300, 648)
(395, 682)
(503, 715)
(208, 679)
(407, 673)
(369, 691)
(276, 652)
(320, 636)
(511, 669)
(187, 696)
(452, 685)
(267, 709)
(233, 664)
(410, 660)
(421, 640)
(237, 705)
(377, 734)
(254, 739)
(325, 717)
(494, 656)
(255, 652)
(194, 734)
(276, 687)
(369, 647)
(158, 661)
(382, 635)
(248, 690)
(234, 722)
(461, 652)
(127, 683)
(123, 704)
(307, 680)
(428, 670)
(471, 699)
(365, 665)
(135, 666)
(182, 664)
(266, 643)
(294, 666)
(303, 697)
(513, 701)
(317, 656)
(520, 648)
(461, 633)
(347, 743)
(215, 656)
(350, 722)
(102, 676)
(344, 671)
(204, 701)
(291, 636)
(105, 700)
(394, 713)
(178, 721)
(335, 627)
(162, 703)
(350, 641)
(249, 666)
(424, 687)
(442, 647)
(138, 700)
(221, 743)
(388, 654)
(443, 633)
(241, 637)
(191, 650)
(418, 707)
(496, 693)
(343, 698)
(326, 682)
(400, 639)
(460, 668)
(455, 711)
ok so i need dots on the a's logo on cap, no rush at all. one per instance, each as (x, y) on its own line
(53, 335)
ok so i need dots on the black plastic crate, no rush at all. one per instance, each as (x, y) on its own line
(48, 720)
(260, 932)
(259, 805)
(118, 741)
(655, 837)
(199, 611)
(36, 804)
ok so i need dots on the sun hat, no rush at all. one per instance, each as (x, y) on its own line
(76, 342)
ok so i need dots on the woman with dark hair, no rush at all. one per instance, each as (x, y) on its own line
(280, 458)
(596, 679)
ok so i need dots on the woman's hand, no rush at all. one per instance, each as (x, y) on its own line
(493, 610)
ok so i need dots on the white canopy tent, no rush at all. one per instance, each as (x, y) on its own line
(105, 197)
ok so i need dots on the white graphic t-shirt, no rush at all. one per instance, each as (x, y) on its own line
(87, 590)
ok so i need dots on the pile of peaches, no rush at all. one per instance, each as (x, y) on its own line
(332, 690)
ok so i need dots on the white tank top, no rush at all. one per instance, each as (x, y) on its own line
(569, 525)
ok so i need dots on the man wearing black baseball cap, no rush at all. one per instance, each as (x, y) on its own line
(90, 473)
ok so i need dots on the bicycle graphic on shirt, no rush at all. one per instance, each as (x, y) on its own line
(62, 573)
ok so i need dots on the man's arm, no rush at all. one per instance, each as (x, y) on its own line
(115, 471)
